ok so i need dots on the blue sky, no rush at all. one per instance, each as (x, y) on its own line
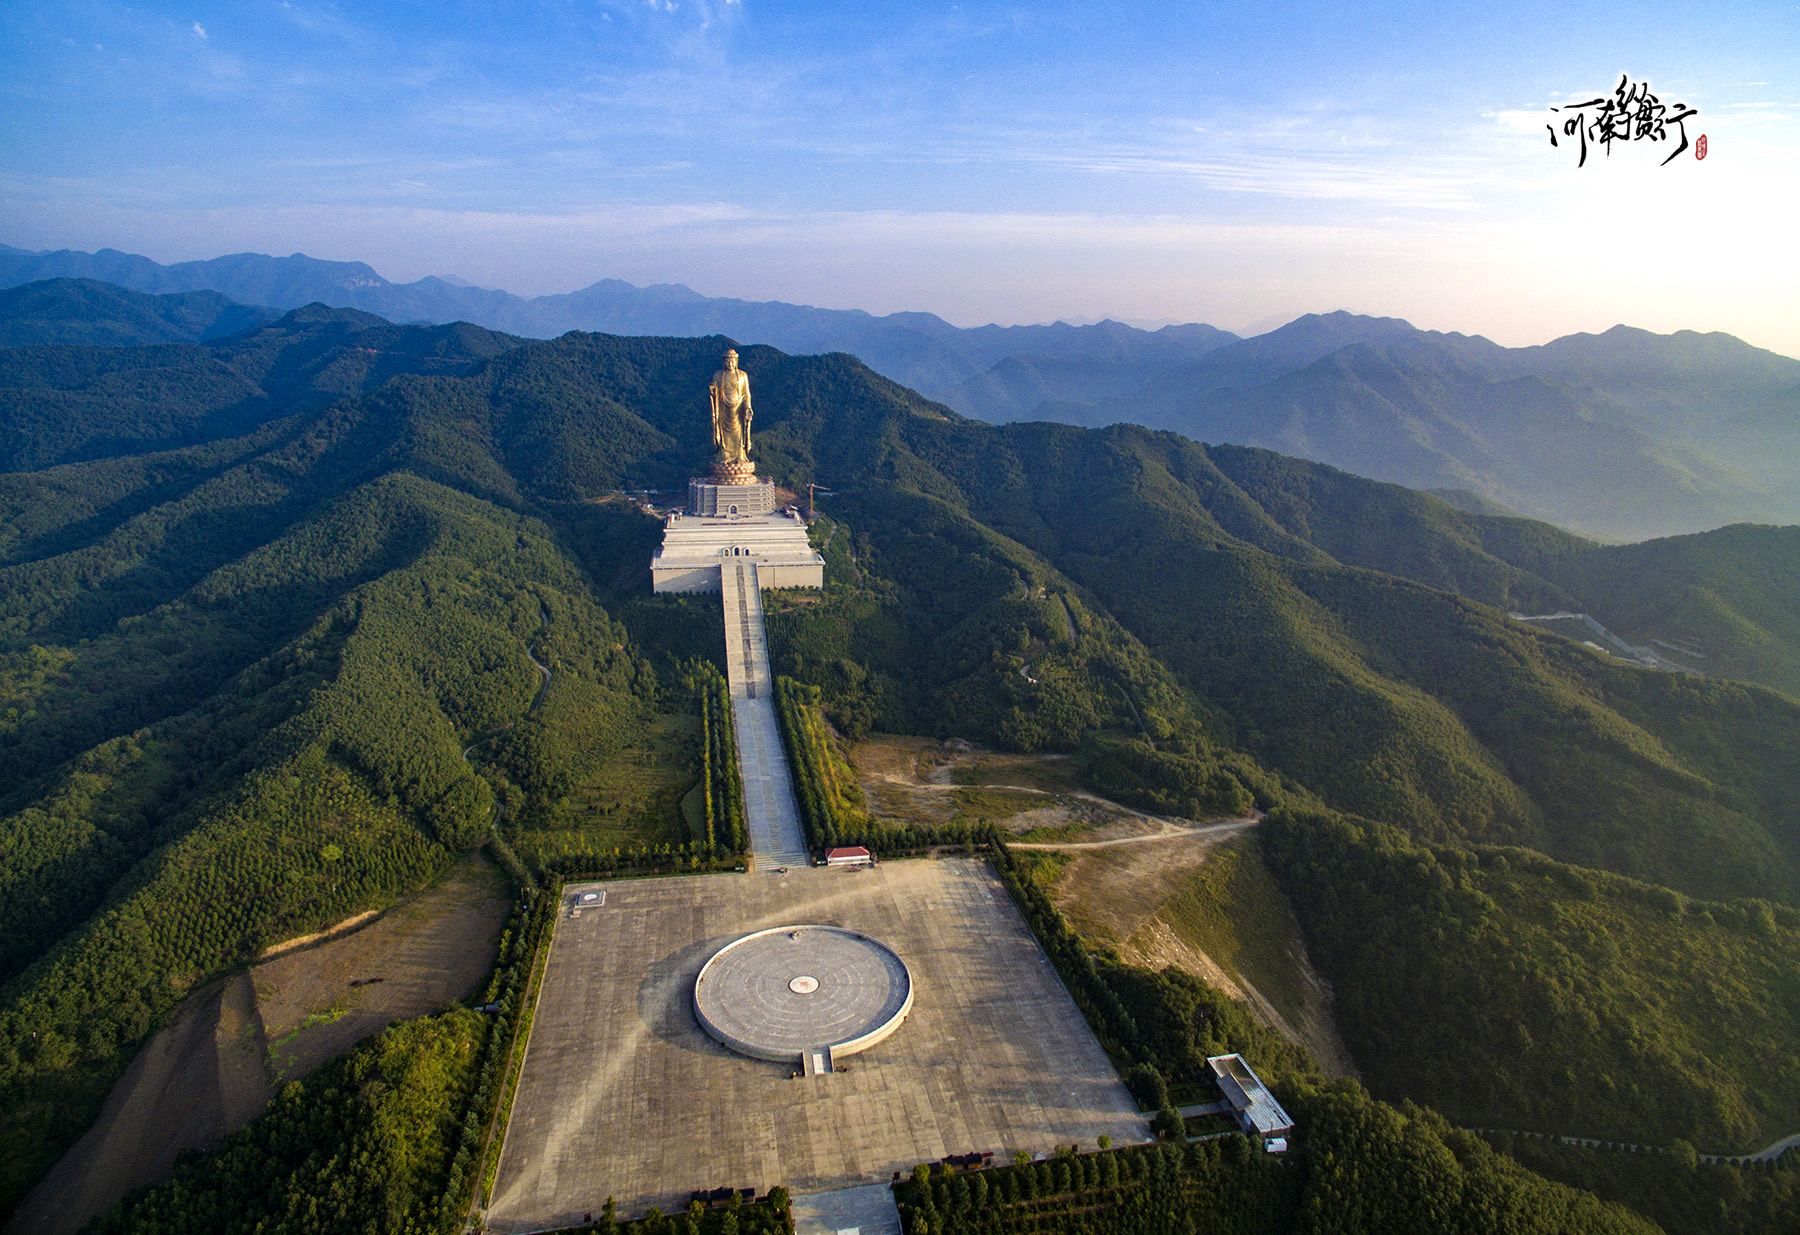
(1230, 164)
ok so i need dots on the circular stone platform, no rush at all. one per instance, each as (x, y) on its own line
(782, 994)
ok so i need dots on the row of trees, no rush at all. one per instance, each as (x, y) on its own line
(508, 993)
(1224, 1184)
(685, 858)
(720, 775)
(1363, 1168)
(830, 801)
(768, 1215)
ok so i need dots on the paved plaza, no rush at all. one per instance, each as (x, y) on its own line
(624, 1095)
(868, 1210)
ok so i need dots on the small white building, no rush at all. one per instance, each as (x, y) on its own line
(1255, 1108)
(849, 856)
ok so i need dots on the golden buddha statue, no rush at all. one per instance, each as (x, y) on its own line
(730, 396)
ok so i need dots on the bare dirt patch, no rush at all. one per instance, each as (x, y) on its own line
(1132, 897)
(922, 780)
(184, 1090)
(331, 932)
(215, 1066)
(415, 959)
(1108, 893)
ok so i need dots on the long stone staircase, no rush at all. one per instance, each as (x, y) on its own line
(772, 815)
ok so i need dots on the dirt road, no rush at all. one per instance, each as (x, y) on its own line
(1211, 831)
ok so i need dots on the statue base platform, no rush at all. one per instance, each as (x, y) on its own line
(696, 550)
(708, 498)
(737, 472)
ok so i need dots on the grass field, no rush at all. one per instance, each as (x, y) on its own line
(994, 805)
(1049, 773)
(1037, 797)
(635, 798)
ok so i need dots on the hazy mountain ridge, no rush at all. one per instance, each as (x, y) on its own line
(1624, 434)
(87, 311)
(920, 350)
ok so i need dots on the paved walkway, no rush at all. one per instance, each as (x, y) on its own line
(867, 1211)
(770, 811)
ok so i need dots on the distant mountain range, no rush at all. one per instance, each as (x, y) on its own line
(919, 350)
(1624, 435)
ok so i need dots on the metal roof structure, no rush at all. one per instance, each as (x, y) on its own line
(1255, 1107)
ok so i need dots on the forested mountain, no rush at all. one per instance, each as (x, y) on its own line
(107, 315)
(1625, 434)
(62, 404)
(256, 597)
(1628, 434)
(920, 350)
(1722, 603)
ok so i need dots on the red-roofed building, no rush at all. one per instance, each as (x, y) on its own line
(851, 856)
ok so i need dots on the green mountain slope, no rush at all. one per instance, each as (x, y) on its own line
(245, 636)
(62, 404)
(97, 314)
(1515, 992)
(1396, 700)
(240, 715)
(1722, 602)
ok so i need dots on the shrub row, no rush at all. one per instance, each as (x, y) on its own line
(506, 992)
(724, 785)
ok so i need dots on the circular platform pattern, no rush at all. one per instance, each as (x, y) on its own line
(778, 994)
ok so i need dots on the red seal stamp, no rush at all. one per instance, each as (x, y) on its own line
(1700, 147)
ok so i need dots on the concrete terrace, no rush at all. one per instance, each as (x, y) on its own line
(694, 549)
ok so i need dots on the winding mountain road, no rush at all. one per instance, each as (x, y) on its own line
(1767, 1153)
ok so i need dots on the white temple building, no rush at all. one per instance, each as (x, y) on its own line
(697, 545)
